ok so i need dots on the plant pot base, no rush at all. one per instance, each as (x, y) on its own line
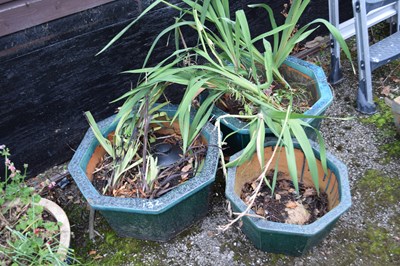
(162, 226)
(290, 239)
(151, 219)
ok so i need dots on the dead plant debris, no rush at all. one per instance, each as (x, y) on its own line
(285, 206)
(168, 178)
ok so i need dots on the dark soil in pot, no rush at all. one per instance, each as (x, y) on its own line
(285, 206)
(174, 167)
(302, 95)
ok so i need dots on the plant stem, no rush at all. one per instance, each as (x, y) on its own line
(145, 118)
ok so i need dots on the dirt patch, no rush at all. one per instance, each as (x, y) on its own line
(284, 205)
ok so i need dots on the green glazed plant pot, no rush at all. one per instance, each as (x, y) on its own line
(151, 219)
(284, 238)
(294, 70)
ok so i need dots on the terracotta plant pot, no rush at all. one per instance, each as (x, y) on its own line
(284, 238)
(294, 70)
(152, 219)
(65, 229)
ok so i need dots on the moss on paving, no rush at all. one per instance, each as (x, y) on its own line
(385, 189)
(379, 192)
(383, 120)
(114, 250)
(375, 246)
(109, 249)
(372, 243)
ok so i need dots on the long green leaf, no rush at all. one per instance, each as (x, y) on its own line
(273, 24)
(202, 116)
(321, 147)
(290, 157)
(269, 64)
(301, 137)
(275, 31)
(241, 18)
(165, 31)
(104, 142)
(247, 151)
(122, 32)
(260, 140)
(339, 38)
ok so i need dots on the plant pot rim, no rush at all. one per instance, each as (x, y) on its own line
(65, 229)
(139, 205)
(308, 229)
(318, 108)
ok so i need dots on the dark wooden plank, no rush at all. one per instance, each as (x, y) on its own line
(5, 1)
(22, 14)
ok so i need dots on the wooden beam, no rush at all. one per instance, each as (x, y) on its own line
(4, 1)
(21, 14)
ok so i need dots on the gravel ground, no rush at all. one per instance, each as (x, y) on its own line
(368, 234)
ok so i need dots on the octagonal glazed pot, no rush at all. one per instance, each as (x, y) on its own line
(152, 219)
(294, 70)
(284, 238)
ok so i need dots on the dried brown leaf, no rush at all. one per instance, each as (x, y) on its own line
(283, 192)
(309, 192)
(278, 197)
(291, 204)
(254, 185)
(284, 184)
(260, 211)
(248, 199)
(186, 168)
(385, 90)
(395, 79)
(184, 177)
(298, 215)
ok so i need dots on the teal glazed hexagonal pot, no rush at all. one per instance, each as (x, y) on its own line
(283, 238)
(294, 70)
(152, 219)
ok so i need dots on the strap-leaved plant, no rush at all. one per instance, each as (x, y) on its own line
(232, 64)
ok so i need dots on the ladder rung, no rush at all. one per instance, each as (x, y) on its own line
(347, 28)
(374, 4)
(385, 50)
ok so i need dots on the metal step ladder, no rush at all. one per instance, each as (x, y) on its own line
(366, 14)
